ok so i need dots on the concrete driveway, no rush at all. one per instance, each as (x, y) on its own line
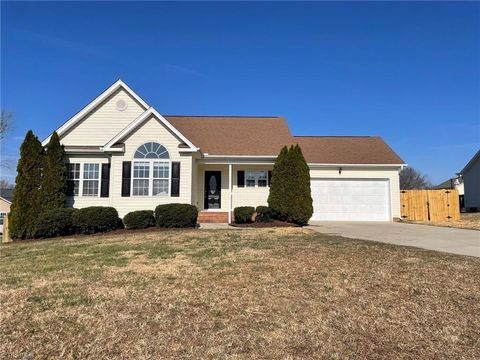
(455, 241)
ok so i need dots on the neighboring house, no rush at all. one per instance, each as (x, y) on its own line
(455, 183)
(121, 152)
(471, 180)
(6, 196)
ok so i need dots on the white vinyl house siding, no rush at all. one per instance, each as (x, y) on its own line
(150, 130)
(103, 123)
(391, 174)
(471, 179)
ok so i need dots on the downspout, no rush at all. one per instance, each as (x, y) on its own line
(229, 193)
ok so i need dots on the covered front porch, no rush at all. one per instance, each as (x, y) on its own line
(221, 186)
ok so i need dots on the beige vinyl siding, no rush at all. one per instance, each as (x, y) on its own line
(4, 206)
(240, 196)
(103, 123)
(150, 130)
(249, 196)
(365, 173)
(85, 201)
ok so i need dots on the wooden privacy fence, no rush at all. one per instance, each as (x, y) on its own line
(430, 205)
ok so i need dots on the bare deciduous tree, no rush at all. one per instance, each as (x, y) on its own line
(411, 179)
(5, 123)
(4, 184)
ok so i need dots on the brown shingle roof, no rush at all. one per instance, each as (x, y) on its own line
(253, 135)
(347, 150)
(234, 135)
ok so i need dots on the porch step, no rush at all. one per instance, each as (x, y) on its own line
(212, 217)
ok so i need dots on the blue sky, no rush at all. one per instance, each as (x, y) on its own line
(408, 72)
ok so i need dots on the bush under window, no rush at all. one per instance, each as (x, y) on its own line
(55, 222)
(264, 214)
(243, 214)
(94, 219)
(176, 216)
(141, 219)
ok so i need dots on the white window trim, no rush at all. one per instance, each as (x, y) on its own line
(256, 180)
(80, 186)
(151, 178)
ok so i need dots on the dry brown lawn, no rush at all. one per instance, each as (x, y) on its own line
(234, 294)
(467, 221)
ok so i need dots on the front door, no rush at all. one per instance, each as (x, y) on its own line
(213, 189)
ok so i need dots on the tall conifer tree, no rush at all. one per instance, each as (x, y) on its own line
(26, 203)
(290, 195)
(53, 187)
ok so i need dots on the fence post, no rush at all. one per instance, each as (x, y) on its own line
(6, 231)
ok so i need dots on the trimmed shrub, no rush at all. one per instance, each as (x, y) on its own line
(264, 214)
(94, 219)
(55, 222)
(290, 195)
(243, 214)
(176, 216)
(141, 219)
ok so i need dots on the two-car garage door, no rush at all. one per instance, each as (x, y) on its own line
(351, 199)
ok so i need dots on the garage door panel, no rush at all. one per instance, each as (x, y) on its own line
(350, 200)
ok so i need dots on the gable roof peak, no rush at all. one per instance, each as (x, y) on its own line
(93, 104)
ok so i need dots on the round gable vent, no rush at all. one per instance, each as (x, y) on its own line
(121, 105)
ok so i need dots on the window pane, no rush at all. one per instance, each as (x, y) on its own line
(141, 169)
(2, 216)
(160, 170)
(160, 187)
(90, 187)
(151, 150)
(262, 178)
(140, 187)
(250, 178)
(73, 177)
(91, 175)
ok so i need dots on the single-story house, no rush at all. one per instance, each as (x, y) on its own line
(122, 152)
(471, 181)
(6, 196)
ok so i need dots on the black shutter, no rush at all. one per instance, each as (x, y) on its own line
(269, 178)
(240, 178)
(70, 187)
(126, 175)
(175, 186)
(105, 185)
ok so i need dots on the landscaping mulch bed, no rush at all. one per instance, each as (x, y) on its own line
(270, 224)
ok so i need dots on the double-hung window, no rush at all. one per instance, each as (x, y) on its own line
(256, 178)
(2, 217)
(141, 177)
(73, 178)
(91, 179)
(151, 171)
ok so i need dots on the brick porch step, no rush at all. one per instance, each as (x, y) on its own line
(212, 217)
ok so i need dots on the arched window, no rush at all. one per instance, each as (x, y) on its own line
(151, 171)
(151, 150)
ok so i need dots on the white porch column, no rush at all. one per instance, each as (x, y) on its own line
(229, 193)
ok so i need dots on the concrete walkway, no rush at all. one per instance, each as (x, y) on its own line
(455, 241)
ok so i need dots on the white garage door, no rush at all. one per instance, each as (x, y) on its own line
(350, 200)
